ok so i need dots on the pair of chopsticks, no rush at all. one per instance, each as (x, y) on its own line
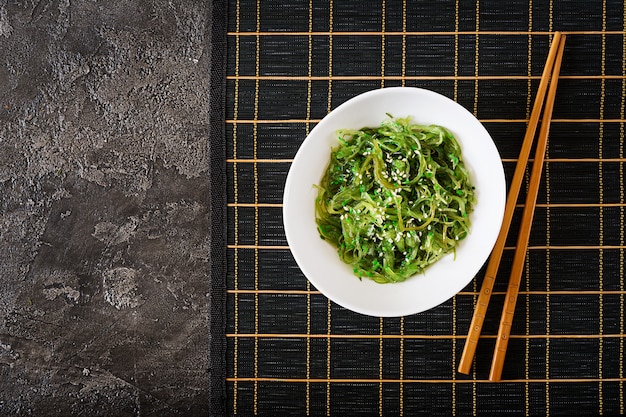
(549, 77)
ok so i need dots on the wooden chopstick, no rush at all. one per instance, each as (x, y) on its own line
(508, 310)
(516, 183)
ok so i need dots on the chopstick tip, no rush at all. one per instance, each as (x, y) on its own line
(464, 369)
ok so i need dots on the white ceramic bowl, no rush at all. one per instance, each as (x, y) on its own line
(319, 260)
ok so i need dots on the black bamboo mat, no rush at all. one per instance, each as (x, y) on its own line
(292, 352)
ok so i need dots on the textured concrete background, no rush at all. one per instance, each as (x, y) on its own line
(103, 216)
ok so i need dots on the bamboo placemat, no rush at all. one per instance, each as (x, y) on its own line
(290, 350)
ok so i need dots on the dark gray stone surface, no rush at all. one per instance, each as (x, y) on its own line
(104, 214)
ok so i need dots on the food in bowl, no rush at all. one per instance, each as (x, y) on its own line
(394, 199)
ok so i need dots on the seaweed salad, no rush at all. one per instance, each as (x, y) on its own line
(394, 199)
